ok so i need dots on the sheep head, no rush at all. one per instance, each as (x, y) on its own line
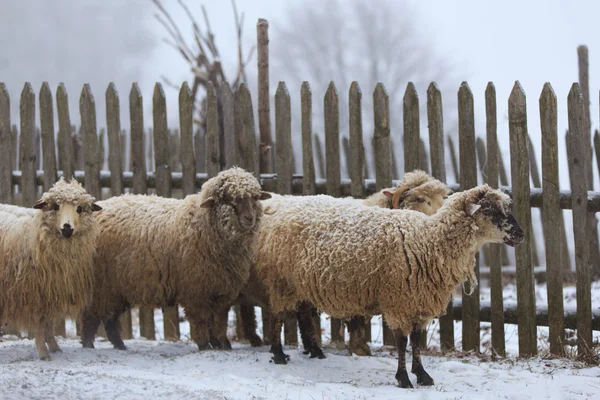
(234, 196)
(67, 208)
(490, 209)
(418, 191)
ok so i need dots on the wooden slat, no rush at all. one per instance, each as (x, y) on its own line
(482, 159)
(245, 131)
(308, 164)
(551, 217)
(356, 157)
(495, 261)
(66, 158)
(453, 159)
(26, 146)
(264, 112)
(163, 186)
(47, 129)
(230, 136)
(519, 166)
(579, 161)
(283, 139)
(140, 184)
(381, 138)
(411, 128)
(212, 131)
(435, 121)
(6, 186)
(536, 180)
(87, 109)
(468, 179)
(186, 127)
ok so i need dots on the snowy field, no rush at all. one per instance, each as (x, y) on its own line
(158, 369)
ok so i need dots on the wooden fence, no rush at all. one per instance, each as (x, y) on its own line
(176, 163)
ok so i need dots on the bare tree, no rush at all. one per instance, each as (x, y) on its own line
(354, 40)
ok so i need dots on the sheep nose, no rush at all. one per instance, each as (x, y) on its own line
(67, 230)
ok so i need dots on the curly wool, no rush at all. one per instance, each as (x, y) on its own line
(351, 260)
(42, 274)
(159, 252)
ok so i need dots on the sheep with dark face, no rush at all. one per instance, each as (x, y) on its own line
(159, 252)
(328, 252)
(46, 261)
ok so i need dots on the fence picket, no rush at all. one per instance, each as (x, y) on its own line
(212, 132)
(47, 129)
(308, 164)
(248, 149)
(411, 128)
(356, 157)
(6, 186)
(230, 133)
(519, 166)
(27, 154)
(264, 111)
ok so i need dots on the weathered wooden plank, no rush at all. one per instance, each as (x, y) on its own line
(229, 126)
(551, 217)
(47, 129)
(308, 164)
(212, 133)
(87, 109)
(435, 120)
(519, 166)
(579, 185)
(283, 139)
(27, 155)
(495, 261)
(356, 157)
(468, 179)
(246, 132)
(264, 111)
(381, 138)
(6, 186)
(453, 159)
(186, 127)
(411, 128)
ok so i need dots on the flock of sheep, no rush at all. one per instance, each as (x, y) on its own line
(399, 253)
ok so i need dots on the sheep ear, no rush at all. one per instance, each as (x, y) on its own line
(96, 207)
(472, 209)
(389, 193)
(264, 196)
(40, 204)
(208, 203)
(400, 195)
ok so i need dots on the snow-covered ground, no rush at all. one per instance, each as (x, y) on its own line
(158, 369)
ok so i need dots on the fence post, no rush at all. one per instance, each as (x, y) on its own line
(140, 184)
(26, 149)
(551, 218)
(519, 160)
(435, 120)
(495, 255)
(6, 186)
(468, 179)
(264, 118)
(579, 161)
(87, 107)
(230, 135)
(212, 131)
(411, 128)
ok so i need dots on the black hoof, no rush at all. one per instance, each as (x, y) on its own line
(88, 345)
(424, 379)
(316, 352)
(280, 358)
(403, 381)
(203, 346)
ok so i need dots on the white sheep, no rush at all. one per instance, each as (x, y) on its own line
(159, 252)
(46, 261)
(349, 259)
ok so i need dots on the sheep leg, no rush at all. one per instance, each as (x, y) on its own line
(50, 339)
(248, 318)
(90, 324)
(40, 341)
(357, 344)
(279, 357)
(113, 332)
(218, 330)
(423, 377)
(401, 374)
(307, 331)
(200, 334)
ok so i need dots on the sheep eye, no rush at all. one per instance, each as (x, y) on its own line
(79, 209)
(55, 207)
(420, 200)
(486, 211)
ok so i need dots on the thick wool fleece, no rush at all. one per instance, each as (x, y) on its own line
(44, 275)
(349, 259)
(159, 252)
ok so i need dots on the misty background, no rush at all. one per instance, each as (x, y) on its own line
(97, 42)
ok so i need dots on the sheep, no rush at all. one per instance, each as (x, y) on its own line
(417, 190)
(46, 261)
(159, 252)
(349, 260)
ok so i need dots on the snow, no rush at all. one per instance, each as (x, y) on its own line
(167, 370)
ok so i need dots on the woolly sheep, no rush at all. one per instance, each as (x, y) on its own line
(46, 261)
(417, 190)
(159, 252)
(352, 260)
